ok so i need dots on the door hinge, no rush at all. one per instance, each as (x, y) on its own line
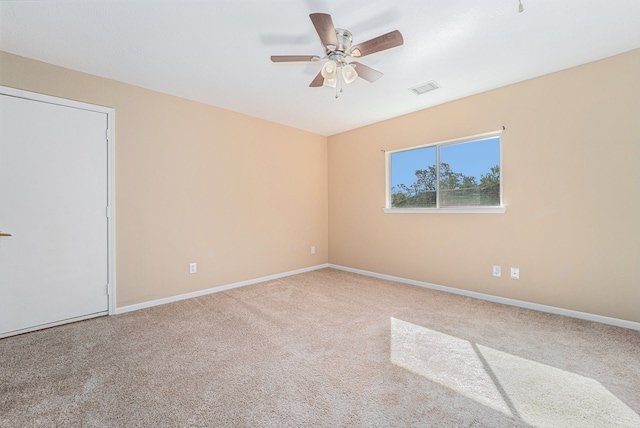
(108, 211)
(107, 287)
(106, 134)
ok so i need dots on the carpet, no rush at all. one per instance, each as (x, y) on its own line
(325, 348)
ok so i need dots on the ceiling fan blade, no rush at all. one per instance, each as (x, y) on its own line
(294, 58)
(325, 29)
(317, 81)
(367, 73)
(377, 44)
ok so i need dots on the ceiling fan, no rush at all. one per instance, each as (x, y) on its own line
(339, 52)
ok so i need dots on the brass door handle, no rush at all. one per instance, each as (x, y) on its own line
(4, 233)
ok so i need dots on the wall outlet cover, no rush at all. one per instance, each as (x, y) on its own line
(497, 271)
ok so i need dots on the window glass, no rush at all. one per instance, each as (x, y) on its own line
(470, 173)
(464, 174)
(413, 178)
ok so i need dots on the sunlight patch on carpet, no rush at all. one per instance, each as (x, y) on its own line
(536, 393)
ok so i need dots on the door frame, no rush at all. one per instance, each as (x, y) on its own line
(110, 209)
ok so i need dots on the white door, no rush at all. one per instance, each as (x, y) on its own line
(53, 200)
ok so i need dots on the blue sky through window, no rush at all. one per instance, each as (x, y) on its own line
(471, 159)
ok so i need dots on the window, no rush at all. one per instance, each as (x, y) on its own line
(457, 176)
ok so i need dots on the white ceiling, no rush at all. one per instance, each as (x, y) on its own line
(217, 52)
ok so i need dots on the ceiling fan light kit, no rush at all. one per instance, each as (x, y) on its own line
(338, 51)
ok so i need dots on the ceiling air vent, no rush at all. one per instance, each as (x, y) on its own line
(425, 87)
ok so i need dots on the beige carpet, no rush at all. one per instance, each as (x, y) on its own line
(325, 348)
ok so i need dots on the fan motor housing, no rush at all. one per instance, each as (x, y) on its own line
(344, 41)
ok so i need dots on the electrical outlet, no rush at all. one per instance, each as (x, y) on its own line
(193, 267)
(497, 270)
(515, 273)
(313, 249)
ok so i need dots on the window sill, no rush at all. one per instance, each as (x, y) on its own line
(451, 210)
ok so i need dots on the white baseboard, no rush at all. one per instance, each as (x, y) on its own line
(512, 302)
(143, 305)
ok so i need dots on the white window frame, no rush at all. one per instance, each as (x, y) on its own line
(448, 210)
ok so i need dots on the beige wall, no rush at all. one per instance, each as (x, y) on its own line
(571, 183)
(246, 198)
(242, 197)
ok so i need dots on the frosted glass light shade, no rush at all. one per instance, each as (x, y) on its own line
(330, 82)
(329, 69)
(349, 73)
